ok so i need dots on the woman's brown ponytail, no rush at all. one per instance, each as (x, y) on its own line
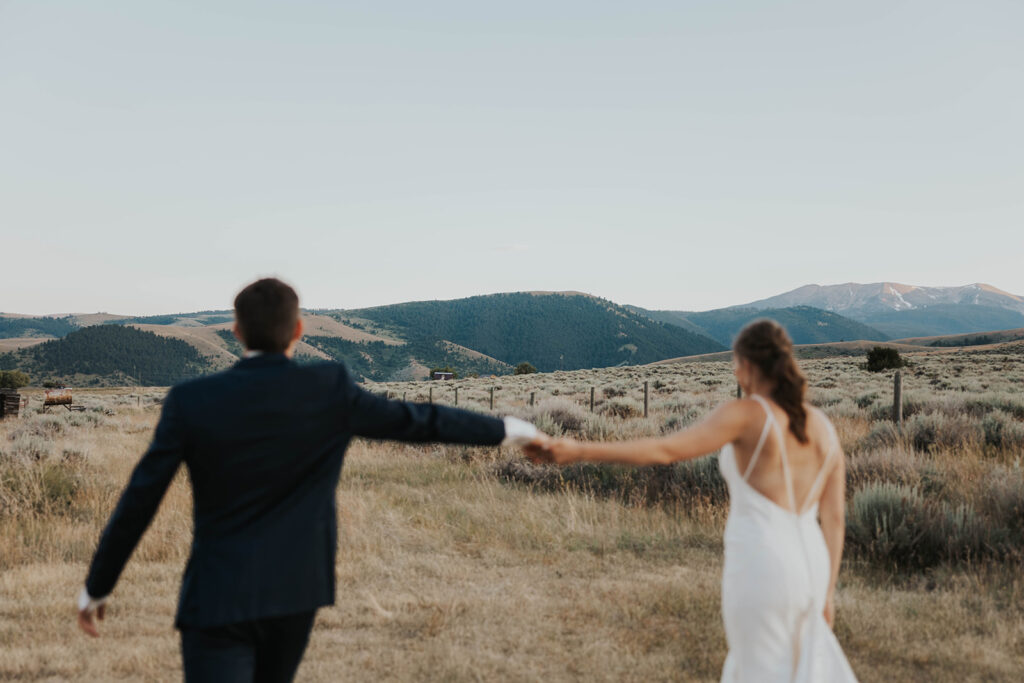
(766, 344)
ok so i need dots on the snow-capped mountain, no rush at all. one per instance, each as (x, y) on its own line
(907, 310)
(890, 296)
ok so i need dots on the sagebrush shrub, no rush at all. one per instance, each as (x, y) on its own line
(1002, 431)
(568, 416)
(866, 400)
(899, 527)
(622, 408)
(891, 464)
(894, 525)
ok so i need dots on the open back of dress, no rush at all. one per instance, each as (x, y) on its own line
(775, 579)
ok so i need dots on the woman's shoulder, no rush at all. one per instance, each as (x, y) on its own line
(821, 425)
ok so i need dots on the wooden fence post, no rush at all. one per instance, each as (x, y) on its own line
(646, 394)
(897, 399)
(531, 399)
(591, 399)
(456, 396)
(492, 398)
(403, 396)
(430, 396)
(739, 390)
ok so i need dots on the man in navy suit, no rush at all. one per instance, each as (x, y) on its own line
(264, 443)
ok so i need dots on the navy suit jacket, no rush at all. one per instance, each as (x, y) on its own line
(264, 443)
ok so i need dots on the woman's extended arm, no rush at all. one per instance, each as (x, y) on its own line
(724, 425)
(833, 525)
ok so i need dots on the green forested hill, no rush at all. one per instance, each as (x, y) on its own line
(35, 327)
(483, 335)
(551, 331)
(109, 353)
(805, 324)
(379, 361)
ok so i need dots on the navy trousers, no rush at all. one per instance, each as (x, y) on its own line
(260, 651)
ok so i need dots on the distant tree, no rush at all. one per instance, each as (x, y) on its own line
(13, 379)
(884, 358)
(524, 368)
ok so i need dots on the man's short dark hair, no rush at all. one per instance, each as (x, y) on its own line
(266, 312)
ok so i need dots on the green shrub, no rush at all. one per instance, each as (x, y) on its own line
(524, 368)
(884, 358)
(13, 379)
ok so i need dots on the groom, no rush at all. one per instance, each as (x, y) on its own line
(264, 443)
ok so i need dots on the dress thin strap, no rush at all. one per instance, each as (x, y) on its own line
(785, 470)
(768, 420)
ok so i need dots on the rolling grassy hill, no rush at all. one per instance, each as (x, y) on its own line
(553, 331)
(109, 354)
(973, 339)
(479, 335)
(11, 327)
(944, 319)
(491, 334)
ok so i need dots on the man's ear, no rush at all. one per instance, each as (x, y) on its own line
(298, 331)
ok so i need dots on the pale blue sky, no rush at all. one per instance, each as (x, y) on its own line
(156, 156)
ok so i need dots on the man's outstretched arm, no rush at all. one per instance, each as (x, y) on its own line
(138, 504)
(378, 418)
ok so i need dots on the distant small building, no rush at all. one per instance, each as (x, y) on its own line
(443, 375)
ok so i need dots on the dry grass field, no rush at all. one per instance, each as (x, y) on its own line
(462, 564)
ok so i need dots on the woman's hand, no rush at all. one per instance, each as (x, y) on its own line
(830, 610)
(545, 450)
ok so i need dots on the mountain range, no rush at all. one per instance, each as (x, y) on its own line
(900, 310)
(493, 333)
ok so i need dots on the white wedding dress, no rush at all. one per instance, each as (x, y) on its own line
(775, 580)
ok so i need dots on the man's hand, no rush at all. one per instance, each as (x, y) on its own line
(87, 619)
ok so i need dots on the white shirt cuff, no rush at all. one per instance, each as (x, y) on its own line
(518, 432)
(87, 602)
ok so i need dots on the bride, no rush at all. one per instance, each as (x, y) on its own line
(785, 470)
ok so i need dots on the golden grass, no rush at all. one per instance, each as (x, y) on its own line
(446, 572)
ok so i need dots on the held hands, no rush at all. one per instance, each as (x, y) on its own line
(546, 450)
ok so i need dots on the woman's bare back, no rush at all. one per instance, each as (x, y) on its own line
(806, 461)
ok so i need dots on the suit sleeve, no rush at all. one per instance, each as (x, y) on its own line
(378, 418)
(139, 502)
